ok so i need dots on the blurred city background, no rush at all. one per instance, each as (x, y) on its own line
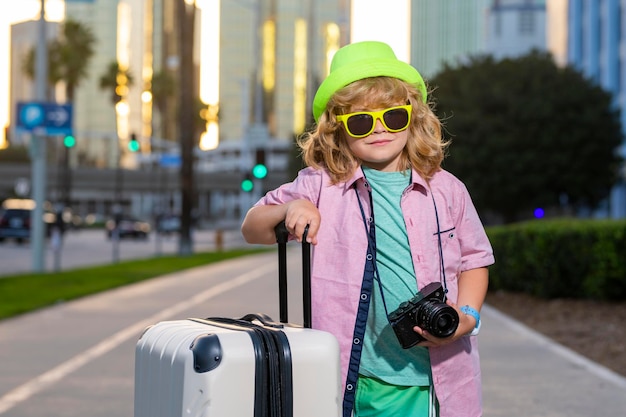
(172, 115)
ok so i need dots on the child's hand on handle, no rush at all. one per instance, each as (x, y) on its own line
(299, 214)
(258, 225)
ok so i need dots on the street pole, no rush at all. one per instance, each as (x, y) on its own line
(38, 150)
(117, 206)
(186, 117)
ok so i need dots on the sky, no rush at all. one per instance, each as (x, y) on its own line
(389, 24)
(369, 22)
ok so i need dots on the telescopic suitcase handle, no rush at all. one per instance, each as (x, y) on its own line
(282, 237)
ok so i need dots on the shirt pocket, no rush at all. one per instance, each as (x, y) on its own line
(448, 247)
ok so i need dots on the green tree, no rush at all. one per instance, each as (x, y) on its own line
(75, 51)
(116, 80)
(163, 89)
(68, 57)
(526, 133)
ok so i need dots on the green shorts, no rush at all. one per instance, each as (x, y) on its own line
(375, 398)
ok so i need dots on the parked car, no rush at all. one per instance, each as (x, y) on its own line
(15, 221)
(129, 227)
(168, 224)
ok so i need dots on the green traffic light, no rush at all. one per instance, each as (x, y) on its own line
(247, 185)
(69, 141)
(259, 171)
(133, 145)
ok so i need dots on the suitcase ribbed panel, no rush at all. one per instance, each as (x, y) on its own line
(166, 384)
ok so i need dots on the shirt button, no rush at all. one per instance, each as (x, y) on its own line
(356, 341)
(349, 387)
(369, 256)
(363, 296)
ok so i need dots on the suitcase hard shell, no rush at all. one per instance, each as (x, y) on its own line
(239, 367)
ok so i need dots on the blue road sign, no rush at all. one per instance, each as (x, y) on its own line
(170, 160)
(44, 118)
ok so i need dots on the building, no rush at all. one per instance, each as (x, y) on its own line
(273, 55)
(451, 31)
(125, 35)
(596, 45)
(516, 27)
(446, 32)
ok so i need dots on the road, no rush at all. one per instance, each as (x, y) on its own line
(91, 247)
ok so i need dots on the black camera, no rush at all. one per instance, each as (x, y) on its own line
(427, 310)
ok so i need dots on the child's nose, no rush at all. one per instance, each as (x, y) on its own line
(379, 126)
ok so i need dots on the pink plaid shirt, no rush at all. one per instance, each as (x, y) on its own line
(339, 258)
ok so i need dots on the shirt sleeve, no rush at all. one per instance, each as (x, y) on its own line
(476, 250)
(306, 186)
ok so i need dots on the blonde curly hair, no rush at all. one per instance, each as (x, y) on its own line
(326, 146)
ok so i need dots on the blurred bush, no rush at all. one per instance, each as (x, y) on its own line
(565, 258)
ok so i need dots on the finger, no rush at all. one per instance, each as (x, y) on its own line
(314, 225)
(299, 228)
(419, 331)
(295, 225)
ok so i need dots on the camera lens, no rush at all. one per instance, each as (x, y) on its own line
(438, 319)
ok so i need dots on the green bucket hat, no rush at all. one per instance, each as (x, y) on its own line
(361, 60)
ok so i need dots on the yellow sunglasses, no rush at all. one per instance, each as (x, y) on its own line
(361, 124)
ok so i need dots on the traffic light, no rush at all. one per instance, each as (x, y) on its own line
(247, 184)
(69, 141)
(133, 143)
(259, 170)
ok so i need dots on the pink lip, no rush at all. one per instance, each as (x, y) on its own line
(380, 142)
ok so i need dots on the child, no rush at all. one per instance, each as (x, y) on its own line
(386, 221)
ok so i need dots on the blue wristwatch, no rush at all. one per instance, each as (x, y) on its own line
(474, 313)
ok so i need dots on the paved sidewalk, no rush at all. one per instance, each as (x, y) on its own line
(526, 374)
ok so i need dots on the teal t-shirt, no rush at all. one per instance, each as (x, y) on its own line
(382, 356)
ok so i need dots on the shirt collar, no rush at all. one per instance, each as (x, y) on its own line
(356, 176)
(417, 182)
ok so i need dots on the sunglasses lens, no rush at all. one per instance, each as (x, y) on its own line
(396, 119)
(360, 124)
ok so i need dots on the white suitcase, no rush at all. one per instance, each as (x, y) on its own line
(239, 367)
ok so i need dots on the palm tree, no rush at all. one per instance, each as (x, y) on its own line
(163, 88)
(116, 80)
(68, 57)
(75, 51)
